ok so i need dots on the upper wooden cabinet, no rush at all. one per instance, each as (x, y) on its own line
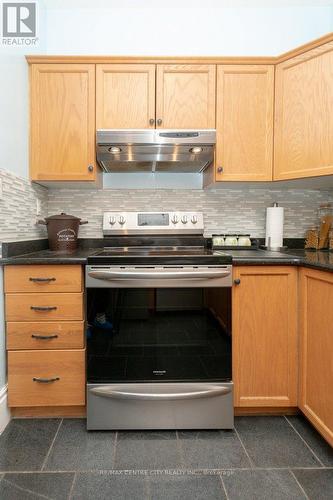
(316, 377)
(185, 96)
(304, 115)
(125, 96)
(252, 103)
(62, 135)
(264, 329)
(244, 122)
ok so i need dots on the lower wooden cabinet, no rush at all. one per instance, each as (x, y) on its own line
(316, 348)
(46, 378)
(264, 325)
(44, 308)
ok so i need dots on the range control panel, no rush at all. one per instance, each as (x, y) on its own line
(132, 223)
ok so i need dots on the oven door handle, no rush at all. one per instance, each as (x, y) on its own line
(128, 275)
(108, 392)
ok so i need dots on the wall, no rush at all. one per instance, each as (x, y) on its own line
(14, 97)
(18, 212)
(4, 411)
(184, 28)
(2, 336)
(230, 210)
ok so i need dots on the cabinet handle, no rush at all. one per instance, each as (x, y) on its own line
(159, 121)
(44, 337)
(237, 281)
(151, 121)
(45, 380)
(220, 170)
(43, 308)
(90, 168)
(42, 280)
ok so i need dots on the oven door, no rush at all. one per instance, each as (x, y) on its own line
(155, 332)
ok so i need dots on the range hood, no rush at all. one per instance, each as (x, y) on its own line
(155, 150)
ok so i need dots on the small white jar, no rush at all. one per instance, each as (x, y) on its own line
(244, 240)
(218, 240)
(231, 240)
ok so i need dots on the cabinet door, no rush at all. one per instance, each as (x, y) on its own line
(316, 377)
(264, 328)
(125, 96)
(244, 123)
(185, 96)
(304, 115)
(62, 122)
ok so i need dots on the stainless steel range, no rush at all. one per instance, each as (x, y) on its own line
(162, 358)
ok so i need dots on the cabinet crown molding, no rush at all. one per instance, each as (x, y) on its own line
(37, 59)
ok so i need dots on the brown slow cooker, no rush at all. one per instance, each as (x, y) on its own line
(62, 231)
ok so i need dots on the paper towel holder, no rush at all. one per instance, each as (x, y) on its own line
(269, 248)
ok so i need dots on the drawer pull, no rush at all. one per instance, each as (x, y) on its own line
(45, 380)
(43, 308)
(42, 280)
(44, 337)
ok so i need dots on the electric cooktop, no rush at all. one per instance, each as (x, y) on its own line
(159, 254)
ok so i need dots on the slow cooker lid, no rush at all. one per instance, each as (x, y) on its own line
(62, 216)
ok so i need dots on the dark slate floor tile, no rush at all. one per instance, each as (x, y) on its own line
(169, 487)
(317, 483)
(99, 486)
(262, 485)
(147, 450)
(77, 449)
(34, 485)
(25, 442)
(271, 442)
(317, 443)
(212, 450)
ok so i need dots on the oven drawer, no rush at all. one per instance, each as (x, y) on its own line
(160, 406)
(46, 378)
(47, 335)
(43, 278)
(44, 306)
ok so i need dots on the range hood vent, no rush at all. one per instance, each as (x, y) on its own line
(151, 150)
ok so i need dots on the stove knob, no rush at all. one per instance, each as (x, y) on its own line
(112, 220)
(174, 219)
(184, 219)
(194, 219)
(121, 220)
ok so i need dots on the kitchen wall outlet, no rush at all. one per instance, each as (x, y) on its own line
(38, 206)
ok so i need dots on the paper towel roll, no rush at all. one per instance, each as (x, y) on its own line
(274, 226)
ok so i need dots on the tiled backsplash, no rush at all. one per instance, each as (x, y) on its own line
(18, 208)
(226, 210)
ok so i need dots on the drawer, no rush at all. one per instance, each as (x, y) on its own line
(43, 278)
(50, 335)
(44, 306)
(63, 370)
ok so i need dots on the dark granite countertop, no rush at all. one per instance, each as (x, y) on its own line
(48, 257)
(318, 260)
(298, 257)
